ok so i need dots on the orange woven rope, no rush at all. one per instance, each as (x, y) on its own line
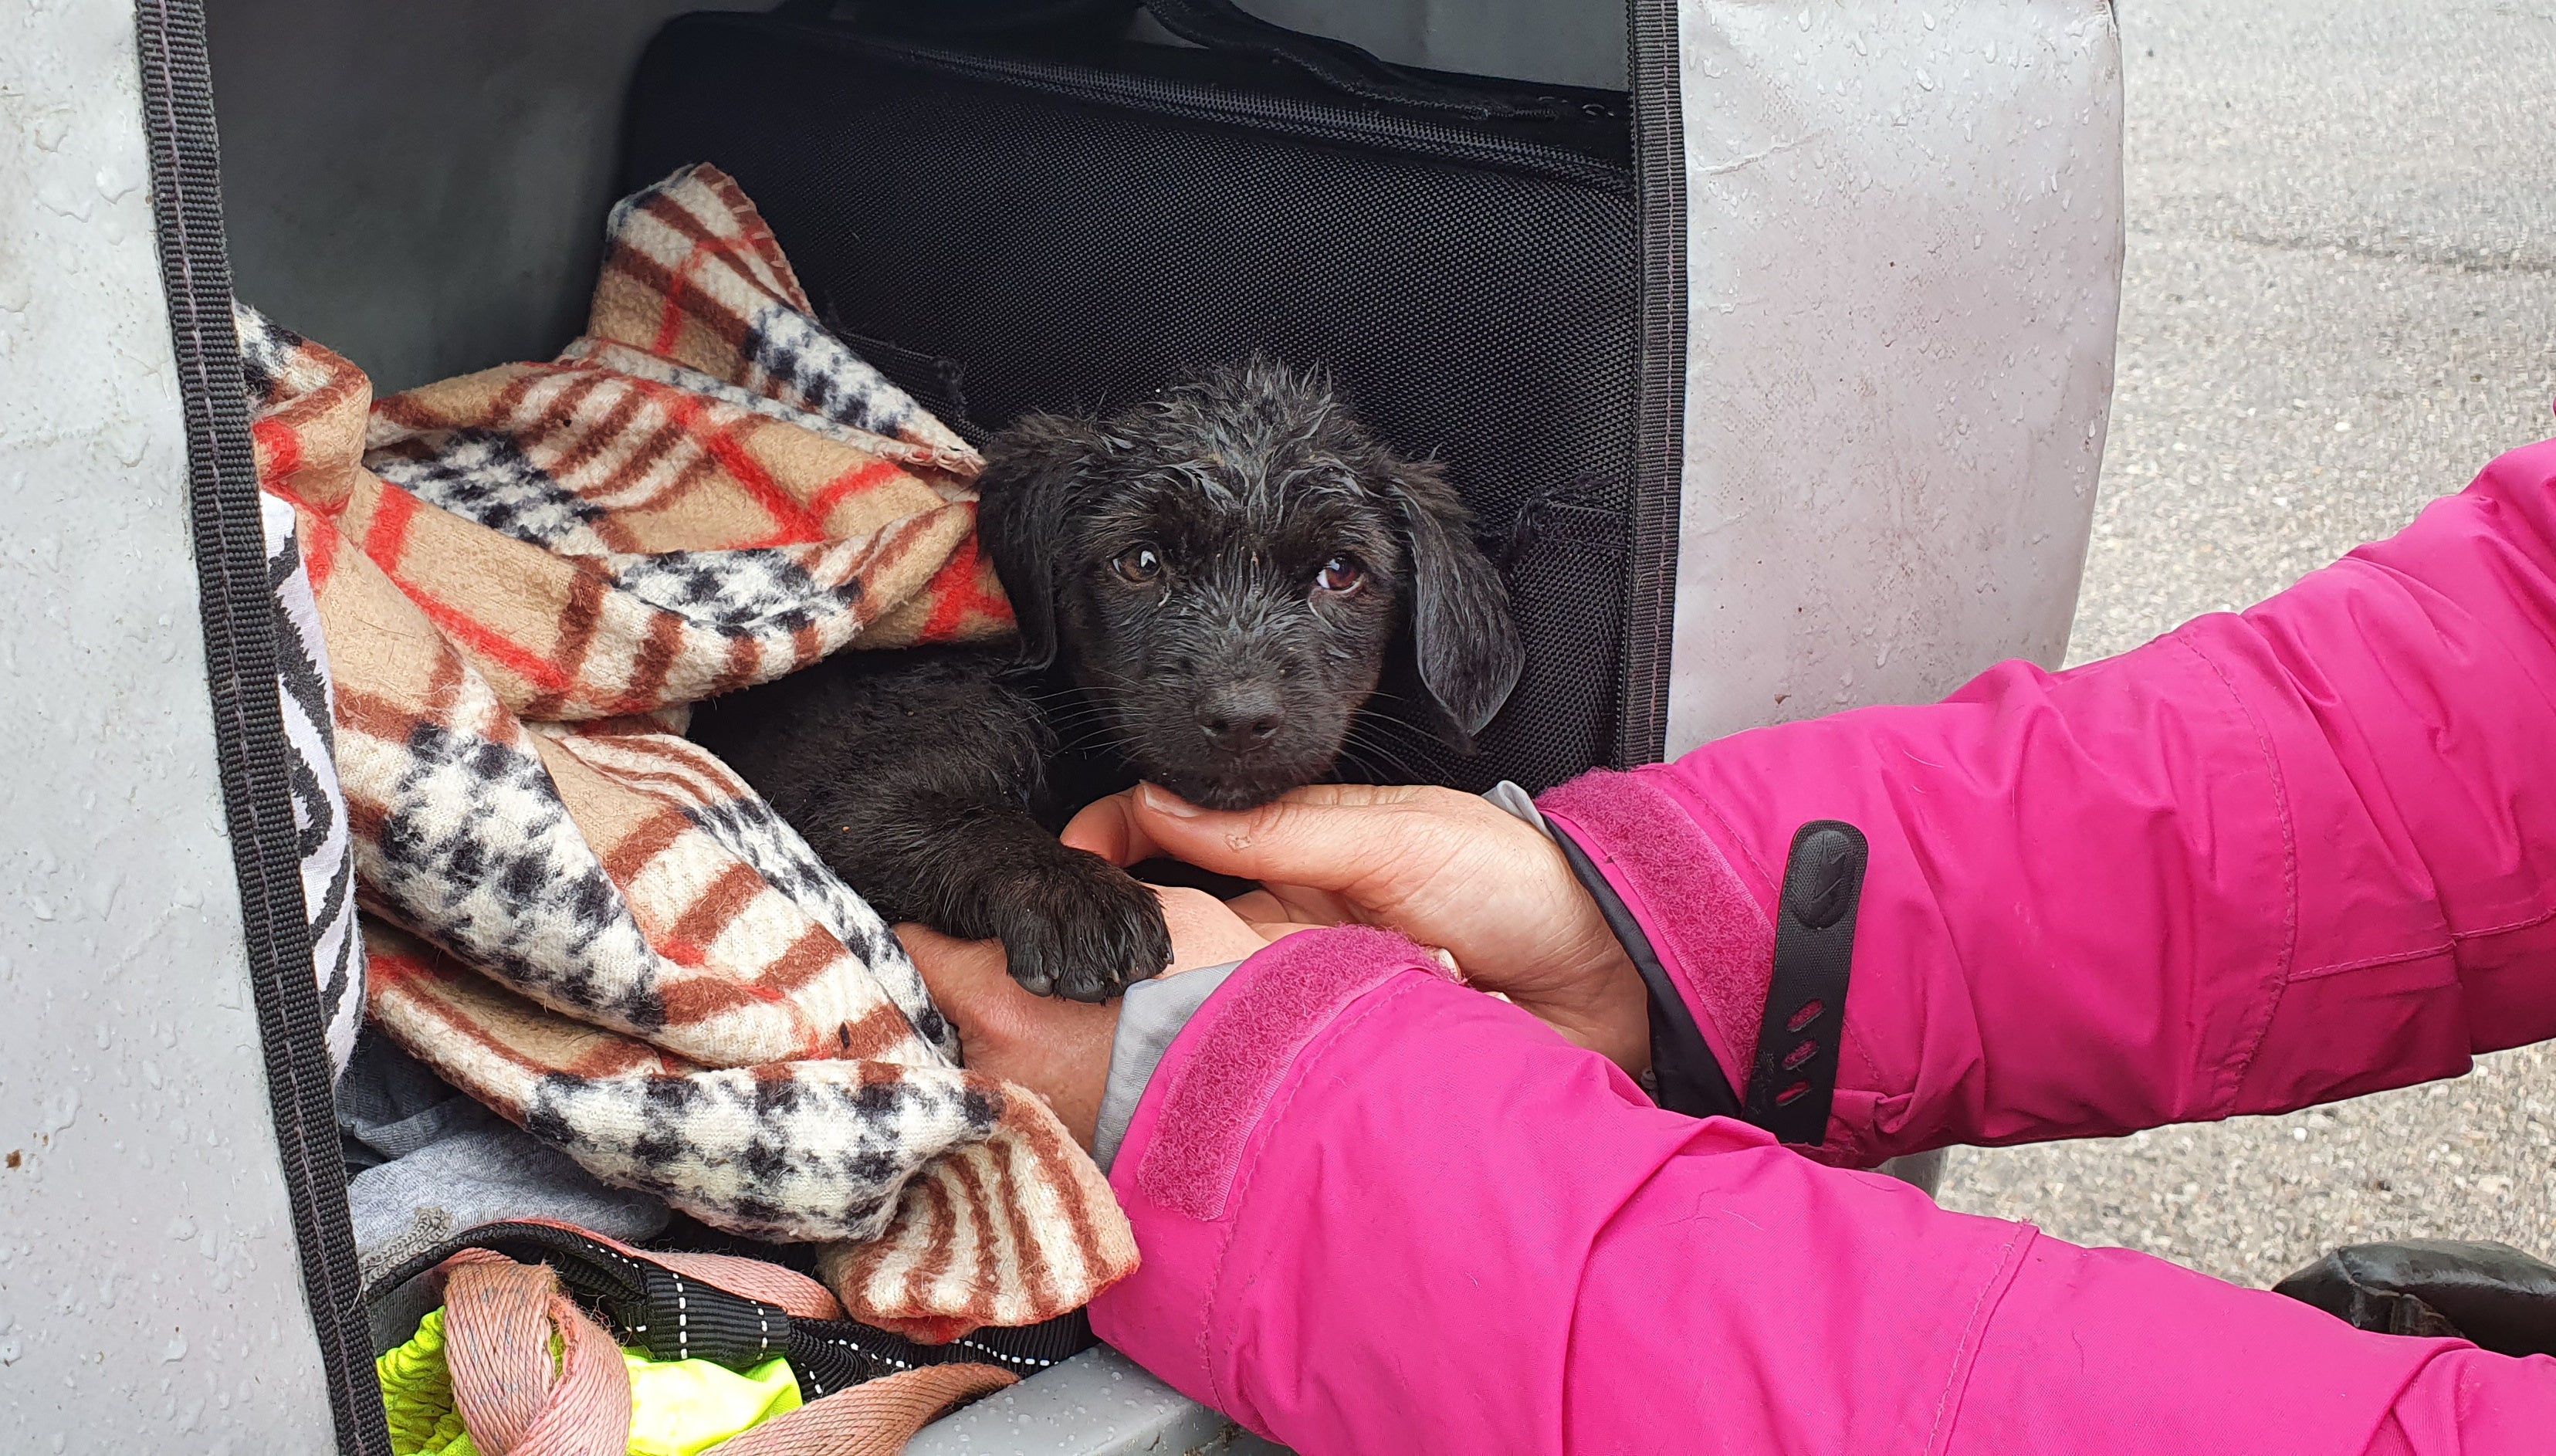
(498, 1317)
(876, 1418)
(797, 1295)
(499, 1320)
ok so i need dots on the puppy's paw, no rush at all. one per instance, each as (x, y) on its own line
(1082, 929)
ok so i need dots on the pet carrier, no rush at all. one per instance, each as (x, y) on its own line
(1771, 344)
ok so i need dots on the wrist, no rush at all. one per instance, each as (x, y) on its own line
(1588, 988)
(1686, 1075)
(1610, 1013)
(1063, 1062)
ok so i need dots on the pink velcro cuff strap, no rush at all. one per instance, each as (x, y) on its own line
(1228, 1063)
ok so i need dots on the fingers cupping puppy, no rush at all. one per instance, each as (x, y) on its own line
(1447, 868)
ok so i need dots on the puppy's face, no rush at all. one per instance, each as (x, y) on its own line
(1228, 612)
(1229, 571)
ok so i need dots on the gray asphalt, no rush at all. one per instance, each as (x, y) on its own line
(2339, 303)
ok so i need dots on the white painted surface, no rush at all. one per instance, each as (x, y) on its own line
(1905, 272)
(150, 1294)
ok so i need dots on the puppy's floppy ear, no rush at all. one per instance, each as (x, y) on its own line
(1462, 641)
(1023, 495)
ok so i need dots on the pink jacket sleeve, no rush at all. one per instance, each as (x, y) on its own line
(2268, 860)
(2271, 859)
(1382, 1213)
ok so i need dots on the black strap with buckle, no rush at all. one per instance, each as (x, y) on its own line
(1794, 1078)
(676, 1316)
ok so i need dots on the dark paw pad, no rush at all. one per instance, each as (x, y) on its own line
(1083, 930)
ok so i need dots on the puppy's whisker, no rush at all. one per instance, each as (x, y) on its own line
(1090, 742)
(1377, 773)
(1390, 752)
(1375, 755)
(1380, 713)
(1351, 760)
(1386, 695)
(1391, 771)
(1410, 759)
(1082, 715)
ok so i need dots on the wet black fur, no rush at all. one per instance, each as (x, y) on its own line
(934, 779)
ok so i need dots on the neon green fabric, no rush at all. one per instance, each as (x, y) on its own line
(682, 1408)
(678, 1408)
(417, 1396)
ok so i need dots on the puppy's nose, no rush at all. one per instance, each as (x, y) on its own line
(1242, 717)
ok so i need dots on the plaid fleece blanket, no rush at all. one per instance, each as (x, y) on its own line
(522, 576)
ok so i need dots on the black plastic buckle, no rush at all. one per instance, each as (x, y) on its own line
(1793, 1081)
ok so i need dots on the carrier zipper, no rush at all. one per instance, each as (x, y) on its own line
(1307, 119)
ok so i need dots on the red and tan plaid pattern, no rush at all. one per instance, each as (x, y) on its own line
(524, 576)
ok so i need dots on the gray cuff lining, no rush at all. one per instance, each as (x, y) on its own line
(1152, 1014)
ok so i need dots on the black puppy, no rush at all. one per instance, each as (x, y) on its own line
(1209, 586)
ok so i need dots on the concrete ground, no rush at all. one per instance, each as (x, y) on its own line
(2339, 302)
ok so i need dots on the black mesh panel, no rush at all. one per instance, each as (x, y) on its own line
(1002, 237)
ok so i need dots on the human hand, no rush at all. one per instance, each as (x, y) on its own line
(1059, 1049)
(1444, 867)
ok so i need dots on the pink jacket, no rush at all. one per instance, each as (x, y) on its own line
(2268, 860)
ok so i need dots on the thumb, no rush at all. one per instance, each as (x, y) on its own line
(1328, 837)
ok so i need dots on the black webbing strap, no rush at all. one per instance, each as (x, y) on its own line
(1659, 384)
(675, 1316)
(237, 612)
(1794, 1078)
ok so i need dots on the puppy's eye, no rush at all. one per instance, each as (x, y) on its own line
(1340, 576)
(1138, 566)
